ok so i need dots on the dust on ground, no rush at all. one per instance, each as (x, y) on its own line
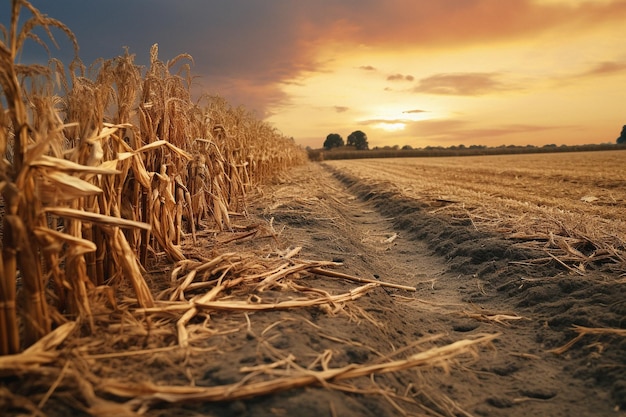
(467, 283)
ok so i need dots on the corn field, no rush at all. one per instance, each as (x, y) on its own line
(103, 169)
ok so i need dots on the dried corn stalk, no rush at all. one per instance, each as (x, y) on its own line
(121, 166)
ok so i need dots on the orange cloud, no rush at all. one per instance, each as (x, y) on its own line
(600, 69)
(400, 77)
(606, 68)
(464, 131)
(460, 84)
(430, 24)
(370, 122)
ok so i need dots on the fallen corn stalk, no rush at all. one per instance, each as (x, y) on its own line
(148, 392)
(41, 353)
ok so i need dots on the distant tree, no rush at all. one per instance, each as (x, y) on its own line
(334, 140)
(622, 136)
(407, 148)
(358, 139)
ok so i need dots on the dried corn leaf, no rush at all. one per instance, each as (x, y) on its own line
(96, 218)
(53, 241)
(139, 169)
(69, 166)
(583, 331)
(159, 143)
(71, 186)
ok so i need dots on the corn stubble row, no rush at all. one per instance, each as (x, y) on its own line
(98, 179)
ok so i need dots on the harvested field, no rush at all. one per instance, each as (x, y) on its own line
(569, 204)
(542, 236)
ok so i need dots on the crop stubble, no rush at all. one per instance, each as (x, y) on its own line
(540, 234)
(569, 204)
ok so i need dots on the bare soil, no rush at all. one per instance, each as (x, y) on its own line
(467, 283)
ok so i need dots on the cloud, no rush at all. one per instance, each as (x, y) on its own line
(370, 122)
(461, 84)
(256, 97)
(415, 111)
(341, 109)
(465, 131)
(400, 77)
(242, 50)
(596, 71)
(456, 23)
(367, 68)
(606, 68)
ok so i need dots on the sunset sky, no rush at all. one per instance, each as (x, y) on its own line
(406, 72)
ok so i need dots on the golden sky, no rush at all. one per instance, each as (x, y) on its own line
(406, 72)
(486, 72)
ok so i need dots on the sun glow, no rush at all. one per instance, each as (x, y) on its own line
(390, 127)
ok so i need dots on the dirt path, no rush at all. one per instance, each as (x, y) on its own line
(456, 296)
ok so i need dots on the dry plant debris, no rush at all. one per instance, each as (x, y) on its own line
(492, 317)
(300, 377)
(231, 283)
(584, 331)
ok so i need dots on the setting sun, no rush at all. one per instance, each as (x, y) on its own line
(389, 126)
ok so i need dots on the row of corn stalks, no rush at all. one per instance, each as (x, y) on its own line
(101, 169)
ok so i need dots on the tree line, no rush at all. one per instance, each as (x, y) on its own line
(356, 139)
(622, 136)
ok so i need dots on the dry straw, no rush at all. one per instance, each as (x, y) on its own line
(434, 357)
(584, 331)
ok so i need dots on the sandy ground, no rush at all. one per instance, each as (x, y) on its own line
(466, 284)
